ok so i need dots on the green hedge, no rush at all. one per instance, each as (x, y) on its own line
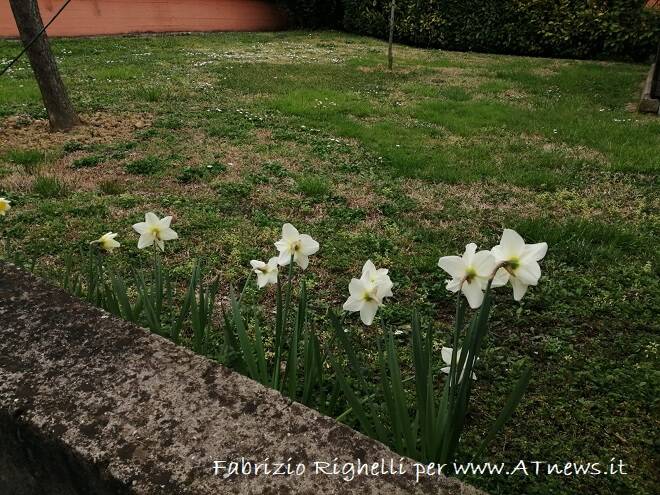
(557, 28)
(313, 13)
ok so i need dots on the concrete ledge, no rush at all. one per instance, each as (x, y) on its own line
(649, 102)
(90, 404)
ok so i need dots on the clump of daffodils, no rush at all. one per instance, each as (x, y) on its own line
(107, 242)
(154, 230)
(5, 206)
(368, 291)
(510, 261)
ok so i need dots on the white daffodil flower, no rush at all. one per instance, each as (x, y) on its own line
(107, 242)
(292, 243)
(470, 273)
(366, 294)
(154, 230)
(4, 206)
(364, 297)
(522, 267)
(377, 277)
(266, 272)
(446, 353)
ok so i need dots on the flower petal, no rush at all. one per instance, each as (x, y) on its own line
(146, 240)
(446, 353)
(368, 268)
(141, 227)
(535, 252)
(368, 312)
(453, 265)
(529, 273)
(468, 255)
(284, 258)
(289, 232)
(257, 264)
(272, 263)
(168, 234)
(519, 288)
(151, 219)
(352, 304)
(356, 287)
(473, 294)
(302, 260)
(512, 243)
(484, 263)
(165, 222)
(309, 245)
(501, 278)
(262, 280)
(454, 284)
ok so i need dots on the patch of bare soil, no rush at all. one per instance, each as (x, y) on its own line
(20, 132)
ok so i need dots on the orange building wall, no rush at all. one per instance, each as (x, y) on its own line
(99, 17)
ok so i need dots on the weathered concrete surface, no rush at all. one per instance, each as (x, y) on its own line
(90, 404)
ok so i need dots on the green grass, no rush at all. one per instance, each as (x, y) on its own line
(28, 159)
(49, 187)
(315, 187)
(401, 167)
(87, 161)
(149, 165)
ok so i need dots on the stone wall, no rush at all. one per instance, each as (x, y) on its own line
(90, 404)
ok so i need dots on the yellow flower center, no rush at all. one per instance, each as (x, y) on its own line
(470, 273)
(155, 231)
(369, 295)
(512, 265)
(3, 205)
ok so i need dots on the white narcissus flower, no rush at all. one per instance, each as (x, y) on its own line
(366, 293)
(295, 244)
(4, 206)
(154, 230)
(469, 273)
(521, 259)
(266, 272)
(107, 242)
(377, 277)
(446, 353)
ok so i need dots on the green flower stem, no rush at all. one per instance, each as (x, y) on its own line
(279, 332)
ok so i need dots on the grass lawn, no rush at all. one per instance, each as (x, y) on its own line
(235, 134)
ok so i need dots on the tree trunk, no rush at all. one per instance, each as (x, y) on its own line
(390, 56)
(61, 113)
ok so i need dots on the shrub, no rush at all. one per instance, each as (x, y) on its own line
(313, 13)
(565, 28)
